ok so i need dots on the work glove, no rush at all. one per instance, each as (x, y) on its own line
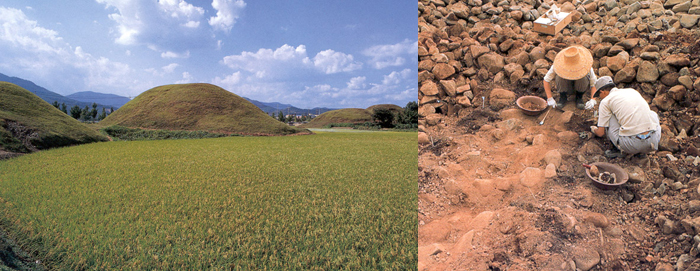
(593, 129)
(590, 104)
(551, 102)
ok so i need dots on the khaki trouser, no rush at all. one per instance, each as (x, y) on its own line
(633, 144)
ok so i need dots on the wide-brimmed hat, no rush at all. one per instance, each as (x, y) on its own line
(573, 63)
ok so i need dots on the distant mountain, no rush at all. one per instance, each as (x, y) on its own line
(47, 95)
(100, 98)
(288, 109)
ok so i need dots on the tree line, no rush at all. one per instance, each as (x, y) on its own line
(83, 114)
(406, 119)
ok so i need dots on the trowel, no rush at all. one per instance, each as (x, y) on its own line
(545, 116)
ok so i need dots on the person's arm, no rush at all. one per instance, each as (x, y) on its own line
(598, 131)
(592, 78)
(547, 89)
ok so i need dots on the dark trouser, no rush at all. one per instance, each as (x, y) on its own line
(569, 86)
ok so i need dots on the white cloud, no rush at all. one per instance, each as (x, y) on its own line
(268, 63)
(170, 67)
(395, 78)
(180, 8)
(357, 82)
(21, 32)
(186, 78)
(392, 55)
(169, 54)
(330, 61)
(229, 81)
(164, 25)
(227, 11)
(288, 62)
(39, 54)
(191, 24)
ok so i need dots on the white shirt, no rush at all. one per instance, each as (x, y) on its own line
(630, 109)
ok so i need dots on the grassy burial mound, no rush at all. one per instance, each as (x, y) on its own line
(197, 107)
(28, 123)
(391, 107)
(347, 115)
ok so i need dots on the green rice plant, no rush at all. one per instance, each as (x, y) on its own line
(330, 201)
(125, 133)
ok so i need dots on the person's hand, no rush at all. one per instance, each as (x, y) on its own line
(590, 104)
(551, 102)
(593, 129)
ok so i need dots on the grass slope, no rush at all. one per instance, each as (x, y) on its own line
(197, 107)
(391, 107)
(348, 115)
(36, 123)
(331, 201)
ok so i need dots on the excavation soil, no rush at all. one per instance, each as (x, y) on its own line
(489, 201)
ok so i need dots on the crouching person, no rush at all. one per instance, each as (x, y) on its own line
(627, 120)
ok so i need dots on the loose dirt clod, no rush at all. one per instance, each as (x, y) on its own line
(531, 106)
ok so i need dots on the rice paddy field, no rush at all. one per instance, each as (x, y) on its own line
(329, 201)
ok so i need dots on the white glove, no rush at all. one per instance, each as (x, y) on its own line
(551, 102)
(590, 104)
(593, 129)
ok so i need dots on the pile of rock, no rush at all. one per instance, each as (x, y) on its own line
(468, 48)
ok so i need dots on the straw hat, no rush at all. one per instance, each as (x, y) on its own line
(573, 63)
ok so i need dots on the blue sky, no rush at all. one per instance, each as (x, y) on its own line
(339, 54)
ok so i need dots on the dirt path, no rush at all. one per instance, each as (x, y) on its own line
(497, 191)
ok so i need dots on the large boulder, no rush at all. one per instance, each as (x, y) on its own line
(501, 98)
(492, 62)
(443, 71)
(647, 72)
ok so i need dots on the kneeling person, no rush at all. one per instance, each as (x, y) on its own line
(626, 118)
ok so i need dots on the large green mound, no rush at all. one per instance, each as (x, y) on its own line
(197, 107)
(28, 123)
(347, 115)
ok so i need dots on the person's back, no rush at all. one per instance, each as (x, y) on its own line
(630, 109)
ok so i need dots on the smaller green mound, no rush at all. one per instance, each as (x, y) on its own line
(197, 107)
(28, 123)
(347, 115)
(391, 107)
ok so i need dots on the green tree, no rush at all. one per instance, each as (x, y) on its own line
(85, 113)
(102, 115)
(280, 116)
(384, 117)
(93, 112)
(63, 108)
(55, 104)
(409, 114)
(75, 112)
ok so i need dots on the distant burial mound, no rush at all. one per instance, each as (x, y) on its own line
(391, 107)
(28, 123)
(348, 115)
(197, 107)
